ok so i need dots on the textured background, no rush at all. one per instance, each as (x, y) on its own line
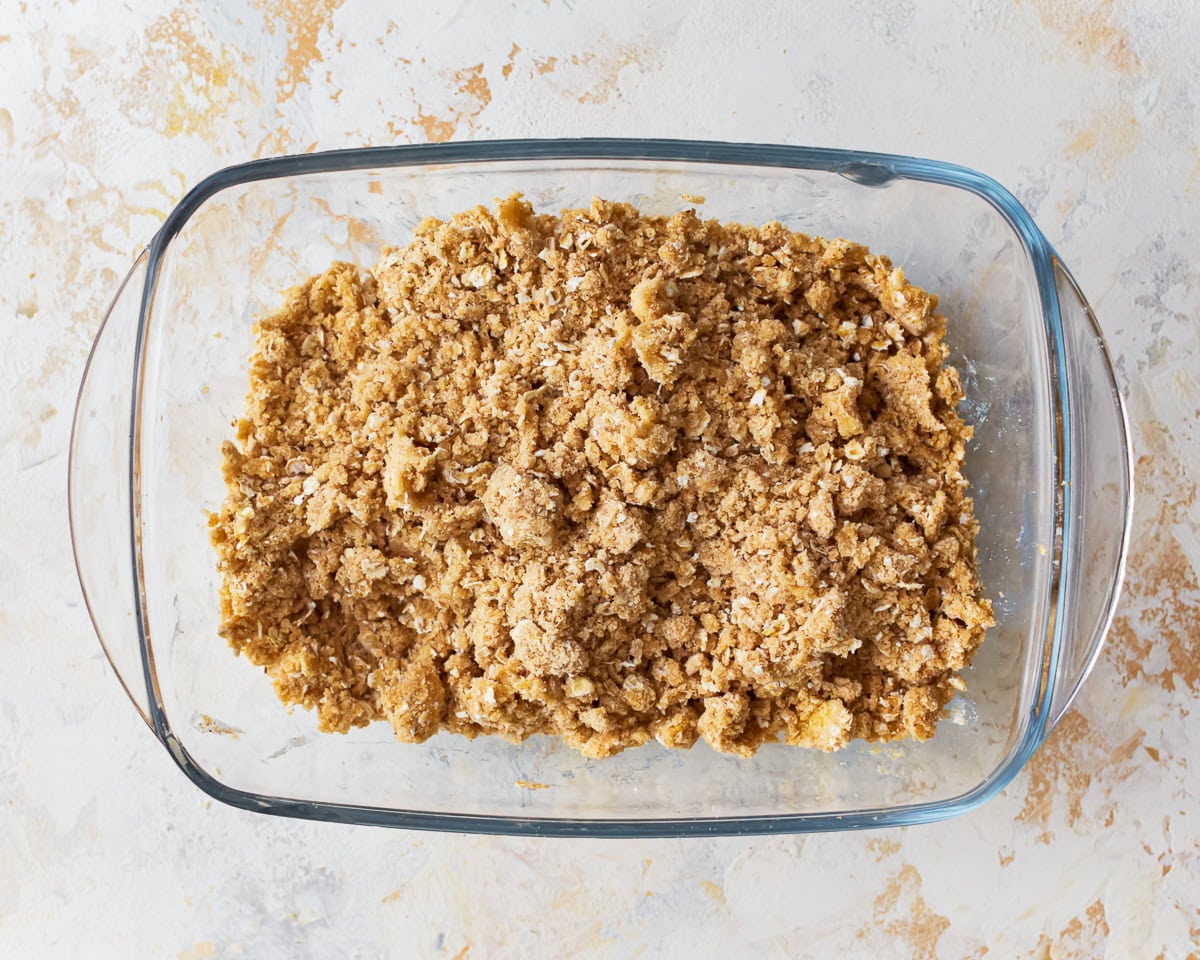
(1087, 109)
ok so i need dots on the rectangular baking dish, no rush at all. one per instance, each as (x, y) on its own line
(1050, 468)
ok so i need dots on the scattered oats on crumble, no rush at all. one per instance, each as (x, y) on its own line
(609, 477)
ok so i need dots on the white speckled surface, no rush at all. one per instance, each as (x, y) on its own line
(1088, 109)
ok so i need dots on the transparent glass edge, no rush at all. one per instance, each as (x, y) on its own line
(158, 716)
(712, 152)
(1128, 472)
(140, 263)
(614, 828)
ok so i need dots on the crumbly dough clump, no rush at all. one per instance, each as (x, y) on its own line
(610, 477)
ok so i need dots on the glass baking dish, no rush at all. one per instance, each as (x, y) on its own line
(1050, 468)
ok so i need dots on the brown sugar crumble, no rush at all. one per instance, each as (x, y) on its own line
(609, 477)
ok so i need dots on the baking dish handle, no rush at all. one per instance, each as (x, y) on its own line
(1098, 495)
(98, 487)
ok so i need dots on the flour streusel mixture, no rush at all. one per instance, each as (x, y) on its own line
(609, 477)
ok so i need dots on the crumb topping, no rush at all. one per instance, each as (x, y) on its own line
(609, 477)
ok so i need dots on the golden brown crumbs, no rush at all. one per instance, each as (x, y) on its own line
(609, 477)
(209, 725)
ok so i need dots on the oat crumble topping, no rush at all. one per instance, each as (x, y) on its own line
(609, 477)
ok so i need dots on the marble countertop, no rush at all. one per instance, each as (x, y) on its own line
(1088, 110)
